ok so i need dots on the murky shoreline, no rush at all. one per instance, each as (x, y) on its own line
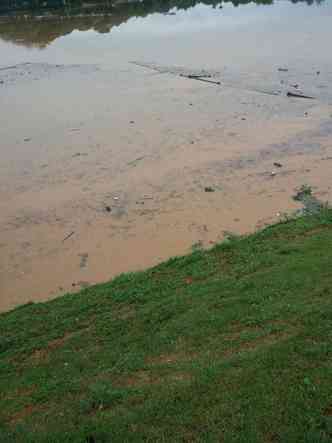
(105, 165)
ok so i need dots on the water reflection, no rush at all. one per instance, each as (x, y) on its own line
(36, 23)
(79, 6)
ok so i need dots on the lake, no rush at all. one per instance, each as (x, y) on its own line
(133, 132)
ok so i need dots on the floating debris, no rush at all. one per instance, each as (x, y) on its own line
(69, 235)
(293, 94)
(179, 70)
(83, 260)
(310, 202)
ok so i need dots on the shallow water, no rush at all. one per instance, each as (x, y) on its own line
(83, 128)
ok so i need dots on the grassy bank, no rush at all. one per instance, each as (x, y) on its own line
(232, 345)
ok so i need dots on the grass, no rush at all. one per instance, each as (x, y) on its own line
(227, 345)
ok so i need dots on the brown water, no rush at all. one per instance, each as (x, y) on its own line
(82, 128)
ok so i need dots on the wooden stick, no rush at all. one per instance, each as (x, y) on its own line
(198, 75)
(195, 77)
(68, 236)
(292, 94)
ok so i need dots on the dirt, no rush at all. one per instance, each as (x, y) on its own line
(171, 358)
(42, 355)
(142, 378)
(22, 415)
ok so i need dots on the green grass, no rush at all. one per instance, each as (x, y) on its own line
(227, 345)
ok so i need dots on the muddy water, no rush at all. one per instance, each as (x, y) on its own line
(104, 163)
